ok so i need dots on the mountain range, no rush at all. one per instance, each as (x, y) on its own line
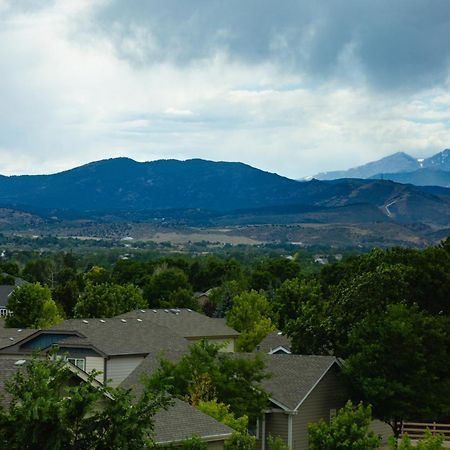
(402, 168)
(206, 191)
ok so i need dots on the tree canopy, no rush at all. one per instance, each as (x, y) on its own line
(49, 410)
(32, 307)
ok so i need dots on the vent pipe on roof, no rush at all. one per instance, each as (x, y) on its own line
(102, 321)
(166, 310)
(155, 311)
(11, 338)
(123, 320)
(139, 320)
(142, 310)
(85, 321)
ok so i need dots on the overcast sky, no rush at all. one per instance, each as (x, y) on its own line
(290, 86)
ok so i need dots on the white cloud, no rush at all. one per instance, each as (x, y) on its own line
(69, 97)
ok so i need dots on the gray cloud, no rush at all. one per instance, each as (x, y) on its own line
(394, 43)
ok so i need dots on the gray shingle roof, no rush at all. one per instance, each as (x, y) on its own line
(294, 376)
(17, 334)
(272, 341)
(117, 337)
(184, 322)
(181, 421)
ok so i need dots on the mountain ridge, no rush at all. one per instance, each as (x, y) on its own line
(400, 167)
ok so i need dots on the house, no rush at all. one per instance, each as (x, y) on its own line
(171, 426)
(189, 324)
(114, 347)
(5, 292)
(181, 420)
(274, 343)
(302, 389)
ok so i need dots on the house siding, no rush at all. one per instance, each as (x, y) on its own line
(276, 425)
(328, 394)
(118, 368)
(96, 363)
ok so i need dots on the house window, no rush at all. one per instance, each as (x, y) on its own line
(79, 362)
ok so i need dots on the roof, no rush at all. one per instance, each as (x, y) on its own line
(120, 336)
(181, 420)
(294, 377)
(9, 336)
(184, 322)
(273, 341)
(6, 289)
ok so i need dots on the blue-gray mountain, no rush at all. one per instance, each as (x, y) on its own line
(124, 186)
(401, 167)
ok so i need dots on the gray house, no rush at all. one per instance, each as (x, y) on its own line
(302, 389)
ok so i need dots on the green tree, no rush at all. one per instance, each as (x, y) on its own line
(428, 442)
(221, 412)
(289, 298)
(235, 380)
(393, 356)
(108, 300)
(66, 290)
(240, 441)
(164, 286)
(250, 315)
(32, 307)
(54, 412)
(348, 430)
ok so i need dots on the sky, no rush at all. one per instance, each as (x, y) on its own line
(294, 87)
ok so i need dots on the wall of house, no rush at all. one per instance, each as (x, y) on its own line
(276, 425)
(96, 363)
(227, 342)
(119, 367)
(328, 394)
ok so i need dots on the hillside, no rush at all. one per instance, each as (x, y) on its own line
(203, 191)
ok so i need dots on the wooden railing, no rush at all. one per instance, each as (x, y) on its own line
(416, 430)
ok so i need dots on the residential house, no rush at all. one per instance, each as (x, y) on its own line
(5, 292)
(114, 347)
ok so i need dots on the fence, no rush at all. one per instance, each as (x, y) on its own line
(416, 430)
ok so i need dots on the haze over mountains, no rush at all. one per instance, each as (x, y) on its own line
(206, 190)
(401, 167)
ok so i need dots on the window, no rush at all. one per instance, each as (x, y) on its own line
(79, 362)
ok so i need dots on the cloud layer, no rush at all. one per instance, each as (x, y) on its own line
(294, 87)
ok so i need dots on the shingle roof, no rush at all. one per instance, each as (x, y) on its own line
(272, 341)
(17, 334)
(119, 337)
(181, 421)
(294, 376)
(184, 322)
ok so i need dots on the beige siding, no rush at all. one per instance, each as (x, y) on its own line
(118, 368)
(228, 343)
(95, 363)
(328, 394)
(276, 425)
